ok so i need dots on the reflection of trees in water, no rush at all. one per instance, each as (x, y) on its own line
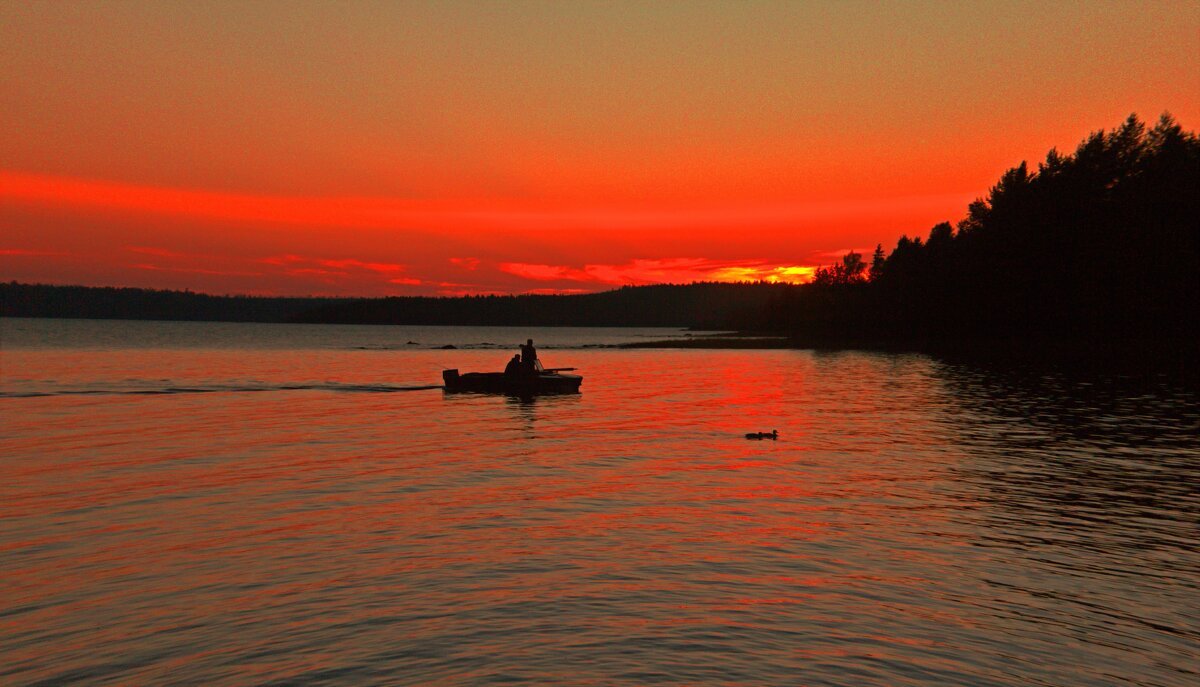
(1081, 485)
(1105, 458)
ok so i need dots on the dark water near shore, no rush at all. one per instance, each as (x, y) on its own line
(200, 503)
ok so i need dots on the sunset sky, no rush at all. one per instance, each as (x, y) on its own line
(423, 148)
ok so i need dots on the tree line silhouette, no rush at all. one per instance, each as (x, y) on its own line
(1103, 242)
(700, 305)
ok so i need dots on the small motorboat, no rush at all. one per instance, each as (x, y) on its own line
(551, 381)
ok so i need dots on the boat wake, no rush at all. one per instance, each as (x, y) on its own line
(219, 388)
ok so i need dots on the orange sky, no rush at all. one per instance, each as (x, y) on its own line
(363, 148)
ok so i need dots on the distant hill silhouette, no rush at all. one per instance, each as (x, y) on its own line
(106, 303)
(1099, 245)
(702, 305)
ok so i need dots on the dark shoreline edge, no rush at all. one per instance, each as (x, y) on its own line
(1180, 351)
(723, 341)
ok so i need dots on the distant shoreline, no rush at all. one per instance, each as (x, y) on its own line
(703, 306)
(1170, 350)
(718, 341)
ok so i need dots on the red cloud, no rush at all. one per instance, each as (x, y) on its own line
(27, 253)
(667, 270)
(343, 272)
(158, 252)
(340, 264)
(372, 266)
(557, 292)
(544, 272)
(465, 263)
(194, 270)
(282, 259)
(471, 292)
(459, 214)
(316, 272)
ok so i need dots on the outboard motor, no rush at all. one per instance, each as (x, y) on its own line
(449, 377)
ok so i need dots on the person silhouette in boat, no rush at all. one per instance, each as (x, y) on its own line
(529, 359)
(513, 368)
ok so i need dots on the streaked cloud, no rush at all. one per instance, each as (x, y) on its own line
(455, 215)
(544, 272)
(360, 264)
(155, 251)
(24, 252)
(194, 270)
(659, 271)
(348, 272)
(466, 263)
(557, 292)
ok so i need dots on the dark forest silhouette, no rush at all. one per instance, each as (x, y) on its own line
(1102, 243)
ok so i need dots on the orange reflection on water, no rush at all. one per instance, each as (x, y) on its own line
(295, 519)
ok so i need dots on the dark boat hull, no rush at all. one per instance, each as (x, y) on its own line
(500, 383)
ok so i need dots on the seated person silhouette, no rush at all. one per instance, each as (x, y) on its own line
(513, 368)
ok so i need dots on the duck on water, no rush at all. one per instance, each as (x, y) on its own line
(524, 375)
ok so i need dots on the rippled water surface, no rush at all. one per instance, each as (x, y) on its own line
(228, 504)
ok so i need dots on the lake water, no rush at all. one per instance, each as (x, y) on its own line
(228, 504)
